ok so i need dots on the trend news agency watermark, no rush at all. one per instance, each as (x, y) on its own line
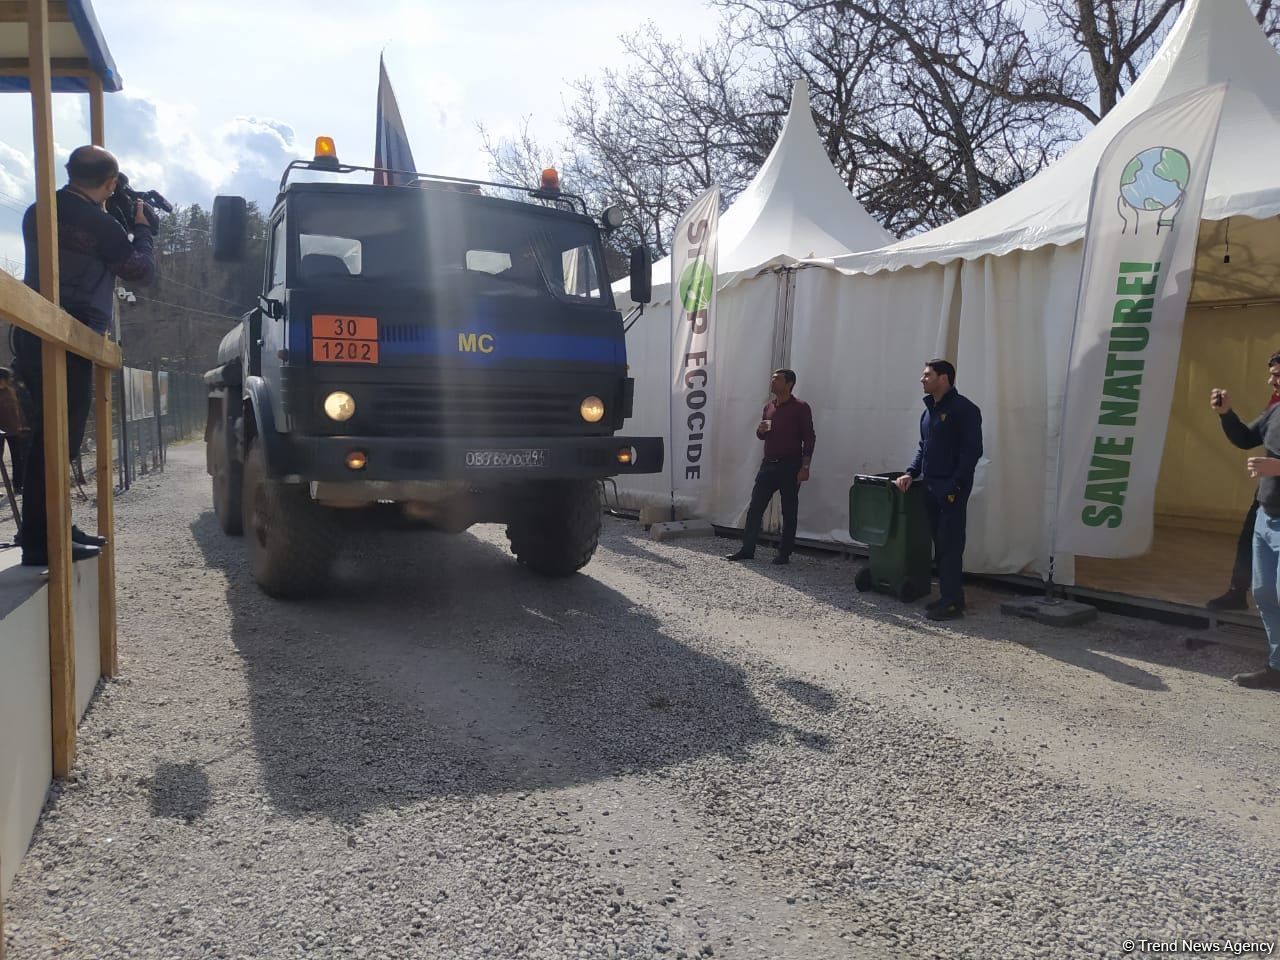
(1225, 948)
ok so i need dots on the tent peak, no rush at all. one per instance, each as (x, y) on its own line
(799, 98)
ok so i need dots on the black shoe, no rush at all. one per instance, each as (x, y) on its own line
(87, 539)
(31, 558)
(1268, 678)
(781, 560)
(945, 611)
(934, 604)
(1234, 599)
(740, 555)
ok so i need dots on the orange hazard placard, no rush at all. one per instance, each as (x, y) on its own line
(343, 339)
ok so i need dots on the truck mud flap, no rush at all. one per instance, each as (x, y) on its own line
(277, 448)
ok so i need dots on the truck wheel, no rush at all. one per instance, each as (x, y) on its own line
(556, 527)
(291, 540)
(228, 482)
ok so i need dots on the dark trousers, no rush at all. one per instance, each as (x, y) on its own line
(35, 518)
(17, 457)
(775, 476)
(947, 524)
(1242, 571)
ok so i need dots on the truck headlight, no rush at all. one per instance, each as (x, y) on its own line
(339, 406)
(592, 409)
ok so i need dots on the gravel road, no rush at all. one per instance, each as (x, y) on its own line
(668, 755)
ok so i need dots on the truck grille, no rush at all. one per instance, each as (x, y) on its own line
(460, 409)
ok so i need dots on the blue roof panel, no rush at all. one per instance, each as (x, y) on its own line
(95, 47)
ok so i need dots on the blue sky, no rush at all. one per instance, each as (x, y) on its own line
(220, 94)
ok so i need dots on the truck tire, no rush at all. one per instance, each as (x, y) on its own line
(556, 527)
(291, 540)
(228, 482)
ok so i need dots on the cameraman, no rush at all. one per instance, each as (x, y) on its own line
(93, 249)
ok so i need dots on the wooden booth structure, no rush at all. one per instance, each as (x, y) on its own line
(49, 47)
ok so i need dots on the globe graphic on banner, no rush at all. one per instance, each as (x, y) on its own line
(1155, 179)
(697, 284)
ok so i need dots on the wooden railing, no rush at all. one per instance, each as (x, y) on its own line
(61, 333)
(38, 313)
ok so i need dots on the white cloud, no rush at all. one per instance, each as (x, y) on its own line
(220, 97)
(257, 151)
(17, 177)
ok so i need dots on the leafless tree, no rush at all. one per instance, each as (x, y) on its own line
(928, 109)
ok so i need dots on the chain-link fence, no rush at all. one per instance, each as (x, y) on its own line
(151, 409)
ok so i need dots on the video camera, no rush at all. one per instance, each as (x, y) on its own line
(124, 202)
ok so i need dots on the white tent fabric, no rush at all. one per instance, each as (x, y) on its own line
(995, 291)
(795, 207)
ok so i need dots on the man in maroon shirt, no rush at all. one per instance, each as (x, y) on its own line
(786, 427)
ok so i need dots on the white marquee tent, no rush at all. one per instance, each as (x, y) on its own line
(996, 292)
(796, 207)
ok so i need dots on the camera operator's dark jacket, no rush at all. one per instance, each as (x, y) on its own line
(93, 250)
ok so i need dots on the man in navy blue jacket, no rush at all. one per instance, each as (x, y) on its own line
(950, 447)
(93, 249)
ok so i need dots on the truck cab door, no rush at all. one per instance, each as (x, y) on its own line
(267, 334)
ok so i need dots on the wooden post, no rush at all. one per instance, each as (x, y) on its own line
(62, 667)
(107, 658)
(97, 123)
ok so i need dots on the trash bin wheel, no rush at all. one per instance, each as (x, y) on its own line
(862, 580)
(907, 592)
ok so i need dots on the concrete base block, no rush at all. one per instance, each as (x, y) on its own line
(1053, 613)
(676, 529)
(649, 515)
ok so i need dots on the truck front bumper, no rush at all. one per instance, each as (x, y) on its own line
(476, 460)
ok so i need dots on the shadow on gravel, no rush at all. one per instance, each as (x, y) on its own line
(635, 548)
(1101, 649)
(809, 694)
(438, 666)
(179, 790)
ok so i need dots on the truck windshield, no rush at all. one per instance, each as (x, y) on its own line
(432, 236)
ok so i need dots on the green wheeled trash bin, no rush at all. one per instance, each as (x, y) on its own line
(895, 527)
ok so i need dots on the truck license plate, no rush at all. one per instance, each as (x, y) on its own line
(498, 459)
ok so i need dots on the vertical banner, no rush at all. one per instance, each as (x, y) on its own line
(390, 142)
(693, 309)
(1139, 253)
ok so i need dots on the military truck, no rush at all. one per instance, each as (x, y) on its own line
(427, 353)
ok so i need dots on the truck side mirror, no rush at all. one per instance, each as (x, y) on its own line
(641, 275)
(230, 228)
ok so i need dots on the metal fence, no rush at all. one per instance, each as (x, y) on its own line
(151, 410)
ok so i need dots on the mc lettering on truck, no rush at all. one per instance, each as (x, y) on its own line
(473, 343)
(697, 285)
(1112, 460)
